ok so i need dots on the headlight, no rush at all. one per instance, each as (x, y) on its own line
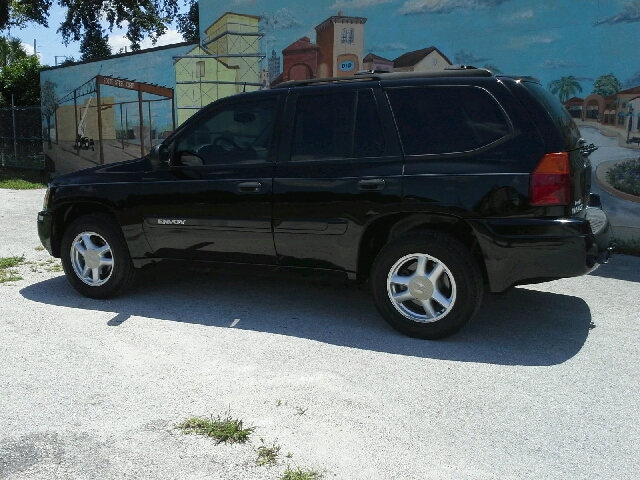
(45, 204)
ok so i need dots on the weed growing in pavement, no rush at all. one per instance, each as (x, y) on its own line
(301, 411)
(227, 429)
(300, 474)
(268, 455)
(39, 248)
(626, 247)
(7, 269)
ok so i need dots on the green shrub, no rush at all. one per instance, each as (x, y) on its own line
(625, 177)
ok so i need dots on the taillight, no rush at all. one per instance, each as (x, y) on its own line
(551, 181)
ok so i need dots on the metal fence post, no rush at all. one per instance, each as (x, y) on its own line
(15, 134)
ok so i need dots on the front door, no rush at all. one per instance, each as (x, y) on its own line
(214, 200)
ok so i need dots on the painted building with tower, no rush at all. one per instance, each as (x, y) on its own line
(341, 42)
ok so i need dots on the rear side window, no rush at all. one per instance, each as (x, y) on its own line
(336, 126)
(440, 120)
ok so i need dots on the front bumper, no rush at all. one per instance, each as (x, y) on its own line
(530, 250)
(45, 230)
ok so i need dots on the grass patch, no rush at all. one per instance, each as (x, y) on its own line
(39, 248)
(300, 474)
(228, 430)
(626, 247)
(22, 179)
(7, 269)
(625, 177)
(268, 455)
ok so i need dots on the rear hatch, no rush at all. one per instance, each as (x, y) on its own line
(561, 134)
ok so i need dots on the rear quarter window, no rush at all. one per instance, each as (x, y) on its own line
(442, 120)
(559, 115)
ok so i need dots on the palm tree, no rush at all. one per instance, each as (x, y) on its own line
(11, 49)
(565, 87)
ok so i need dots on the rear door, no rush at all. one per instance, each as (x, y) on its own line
(340, 167)
(214, 201)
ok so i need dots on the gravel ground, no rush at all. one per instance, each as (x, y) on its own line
(542, 385)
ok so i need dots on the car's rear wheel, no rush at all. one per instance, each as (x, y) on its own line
(426, 285)
(95, 257)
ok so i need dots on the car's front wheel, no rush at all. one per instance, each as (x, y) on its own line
(95, 257)
(426, 285)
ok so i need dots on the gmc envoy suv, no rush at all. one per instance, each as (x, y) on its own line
(433, 187)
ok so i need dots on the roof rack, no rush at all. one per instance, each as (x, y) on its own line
(368, 75)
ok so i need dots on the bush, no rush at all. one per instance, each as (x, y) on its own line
(626, 177)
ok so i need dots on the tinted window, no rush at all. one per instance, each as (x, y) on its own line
(434, 120)
(561, 117)
(322, 127)
(368, 139)
(238, 133)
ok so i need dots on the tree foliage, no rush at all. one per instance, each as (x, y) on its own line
(14, 13)
(607, 85)
(11, 49)
(140, 18)
(22, 79)
(189, 23)
(94, 44)
(565, 87)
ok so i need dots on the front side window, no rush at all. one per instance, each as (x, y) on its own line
(440, 120)
(237, 133)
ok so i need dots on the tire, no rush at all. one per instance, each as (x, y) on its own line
(108, 270)
(433, 304)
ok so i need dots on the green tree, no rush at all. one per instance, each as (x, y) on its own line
(607, 85)
(565, 87)
(11, 49)
(14, 13)
(94, 44)
(189, 23)
(22, 79)
(50, 103)
(141, 18)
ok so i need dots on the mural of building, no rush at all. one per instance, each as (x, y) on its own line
(201, 79)
(341, 42)
(274, 65)
(425, 60)
(621, 110)
(300, 61)
(234, 38)
(376, 62)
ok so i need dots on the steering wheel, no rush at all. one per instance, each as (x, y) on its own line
(228, 141)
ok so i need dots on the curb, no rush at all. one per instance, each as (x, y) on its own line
(601, 175)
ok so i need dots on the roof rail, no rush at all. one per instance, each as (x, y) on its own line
(365, 75)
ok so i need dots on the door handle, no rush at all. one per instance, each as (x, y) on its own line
(371, 185)
(249, 187)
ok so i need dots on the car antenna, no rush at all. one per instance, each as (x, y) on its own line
(244, 88)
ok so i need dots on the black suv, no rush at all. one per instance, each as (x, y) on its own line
(430, 186)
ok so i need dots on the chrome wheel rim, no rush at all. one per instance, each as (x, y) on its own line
(421, 288)
(92, 259)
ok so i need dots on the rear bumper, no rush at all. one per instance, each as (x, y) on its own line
(526, 250)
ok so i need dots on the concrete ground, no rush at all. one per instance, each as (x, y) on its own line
(542, 385)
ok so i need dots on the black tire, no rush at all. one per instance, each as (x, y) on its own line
(102, 231)
(459, 283)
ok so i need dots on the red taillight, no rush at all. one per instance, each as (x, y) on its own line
(551, 181)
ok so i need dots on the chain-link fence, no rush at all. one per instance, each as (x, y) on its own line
(21, 137)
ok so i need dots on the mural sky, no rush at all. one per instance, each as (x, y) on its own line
(548, 39)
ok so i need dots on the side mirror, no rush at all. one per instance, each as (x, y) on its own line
(160, 154)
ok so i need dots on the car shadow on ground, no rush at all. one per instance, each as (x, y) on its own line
(523, 327)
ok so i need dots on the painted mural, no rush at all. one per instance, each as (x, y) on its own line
(583, 50)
